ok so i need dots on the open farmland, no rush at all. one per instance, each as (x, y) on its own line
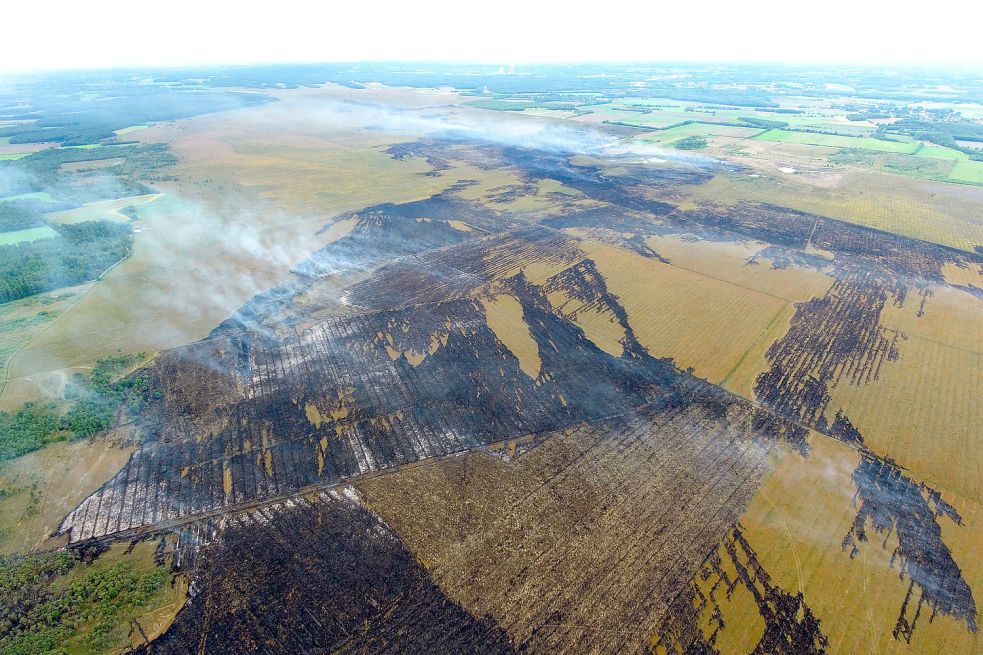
(40, 487)
(680, 315)
(22, 320)
(885, 202)
(170, 291)
(967, 171)
(837, 141)
(940, 152)
(811, 544)
(944, 353)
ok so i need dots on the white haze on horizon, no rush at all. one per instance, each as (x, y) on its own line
(113, 33)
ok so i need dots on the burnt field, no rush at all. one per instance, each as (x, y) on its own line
(319, 574)
(457, 429)
(605, 475)
(246, 416)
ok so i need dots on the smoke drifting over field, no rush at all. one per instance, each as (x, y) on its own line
(469, 125)
(263, 249)
(233, 250)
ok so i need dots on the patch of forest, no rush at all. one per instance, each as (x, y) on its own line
(50, 598)
(57, 114)
(19, 215)
(81, 252)
(42, 171)
(95, 402)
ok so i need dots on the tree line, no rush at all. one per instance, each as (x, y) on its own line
(81, 252)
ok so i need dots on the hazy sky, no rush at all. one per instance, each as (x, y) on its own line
(60, 34)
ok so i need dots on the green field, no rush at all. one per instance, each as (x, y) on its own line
(658, 120)
(29, 234)
(43, 196)
(837, 141)
(504, 105)
(825, 122)
(922, 167)
(93, 146)
(13, 155)
(967, 171)
(665, 113)
(940, 152)
(104, 210)
(674, 134)
(132, 128)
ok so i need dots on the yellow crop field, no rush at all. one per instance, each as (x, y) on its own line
(797, 523)
(575, 536)
(504, 315)
(925, 411)
(963, 275)
(743, 375)
(599, 323)
(497, 366)
(705, 320)
(930, 211)
(731, 261)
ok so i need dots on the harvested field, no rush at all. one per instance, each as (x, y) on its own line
(336, 367)
(838, 526)
(426, 386)
(742, 377)
(732, 605)
(923, 409)
(577, 545)
(306, 406)
(966, 277)
(899, 205)
(831, 339)
(504, 315)
(677, 313)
